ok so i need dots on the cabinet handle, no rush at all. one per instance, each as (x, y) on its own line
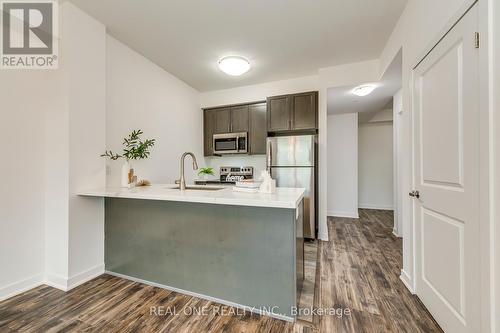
(269, 154)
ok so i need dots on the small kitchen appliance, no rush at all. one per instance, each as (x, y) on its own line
(230, 143)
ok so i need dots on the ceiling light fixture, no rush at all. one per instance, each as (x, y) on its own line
(234, 65)
(364, 90)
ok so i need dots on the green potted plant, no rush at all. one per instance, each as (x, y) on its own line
(134, 149)
(204, 172)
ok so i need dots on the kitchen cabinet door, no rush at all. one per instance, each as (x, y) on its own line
(304, 111)
(239, 119)
(222, 120)
(278, 113)
(209, 120)
(258, 130)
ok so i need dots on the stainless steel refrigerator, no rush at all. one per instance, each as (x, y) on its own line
(291, 160)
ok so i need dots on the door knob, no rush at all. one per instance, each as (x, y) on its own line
(414, 194)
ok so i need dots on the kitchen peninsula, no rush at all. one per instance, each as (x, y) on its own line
(238, 249)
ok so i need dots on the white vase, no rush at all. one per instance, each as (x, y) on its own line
(125, 172)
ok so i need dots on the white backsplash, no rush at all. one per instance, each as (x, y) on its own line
(258, 162)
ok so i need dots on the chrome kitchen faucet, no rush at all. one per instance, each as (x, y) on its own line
(182, 181)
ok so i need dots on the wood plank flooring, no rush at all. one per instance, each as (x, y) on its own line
(308, 298)
(358, 270)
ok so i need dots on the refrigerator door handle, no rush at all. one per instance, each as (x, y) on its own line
(269, 154)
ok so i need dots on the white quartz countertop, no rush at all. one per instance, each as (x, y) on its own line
(283, 198)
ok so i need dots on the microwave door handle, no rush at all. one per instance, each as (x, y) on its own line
(237, 144)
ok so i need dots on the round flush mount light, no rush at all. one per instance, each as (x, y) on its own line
(234, 65)
(364, 90)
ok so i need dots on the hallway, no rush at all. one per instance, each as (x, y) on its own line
(360, 271)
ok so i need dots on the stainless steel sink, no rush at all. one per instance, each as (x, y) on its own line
(197, 188)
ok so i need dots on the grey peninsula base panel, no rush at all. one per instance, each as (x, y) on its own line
(243, 255)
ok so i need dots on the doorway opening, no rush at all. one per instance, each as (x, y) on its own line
(363, 150)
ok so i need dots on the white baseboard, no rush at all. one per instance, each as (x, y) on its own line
(407, 281)
(17, 288)
(52, 280)
(351, 215)
(66, 284)
(323, 236)
(85, 276)
(205, 297)
(56, 281)
(377, 207)
(395, 233)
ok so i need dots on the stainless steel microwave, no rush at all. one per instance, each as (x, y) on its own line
(231, 143)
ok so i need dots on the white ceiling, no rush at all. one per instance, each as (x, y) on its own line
(341, 99)
(281, 38)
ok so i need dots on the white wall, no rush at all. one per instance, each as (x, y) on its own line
(25, 98)
(343, 165)
(337, 76)
(58, 121)
(258, 92)
(47, 115)
(50, 235)
(74, 226)
(141, 95)
(375, 165)
(382, 115)
(56, 189)
(84, 46)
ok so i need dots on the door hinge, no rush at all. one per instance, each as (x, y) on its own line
(477, 40)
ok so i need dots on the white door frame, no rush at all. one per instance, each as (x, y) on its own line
(487, 166)
(495, 109)
(398, 194)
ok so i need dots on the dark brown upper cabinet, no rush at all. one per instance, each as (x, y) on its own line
(222, 120)
(305, 111)
(293, 112)
(278, 113)
(249, 118)
(209, 121)
(257, 132)
(239, 119)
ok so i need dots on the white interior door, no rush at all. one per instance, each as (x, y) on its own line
(446, 133)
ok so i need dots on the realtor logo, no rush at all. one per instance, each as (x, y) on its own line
(29, 35)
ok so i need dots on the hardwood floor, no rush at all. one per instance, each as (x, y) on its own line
(308, 297)
(358, 273)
